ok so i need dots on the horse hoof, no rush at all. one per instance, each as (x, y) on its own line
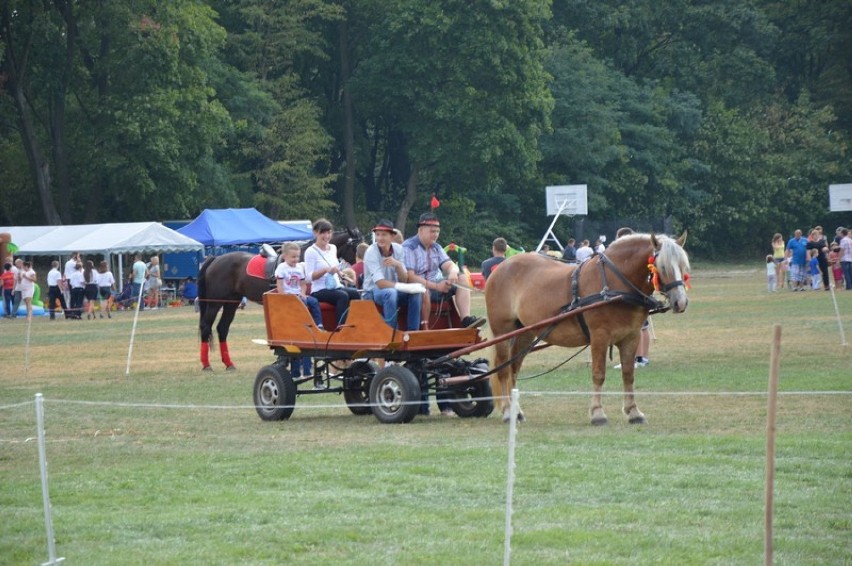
(231, 368)
(207, 368)
(507, 417)
(599, 421)
(640, 419)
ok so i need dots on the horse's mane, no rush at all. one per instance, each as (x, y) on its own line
(670, 253)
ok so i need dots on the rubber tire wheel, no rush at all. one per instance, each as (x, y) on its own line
(274, 393)
(357, 392)
(461, 400)
(395, 395)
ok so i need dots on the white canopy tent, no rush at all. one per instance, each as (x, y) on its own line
(107, 239)
(117, 238)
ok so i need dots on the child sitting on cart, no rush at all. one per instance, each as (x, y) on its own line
(290, 279)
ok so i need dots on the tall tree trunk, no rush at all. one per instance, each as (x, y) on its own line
(39, 165)
(410, 198)
(349, 129)
(57, 114)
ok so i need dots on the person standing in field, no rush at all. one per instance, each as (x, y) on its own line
(771, 274)
(77, 283)
(28, 280)
(55, 291)
(778, 257)
(90, 291)
(498, 252)
(8, 278)
(797, 253)
(106, 285)
(846, 257)
(140, 274)
(818, 242)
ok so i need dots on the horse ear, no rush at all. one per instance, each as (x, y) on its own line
(655, 242)
(682, 240)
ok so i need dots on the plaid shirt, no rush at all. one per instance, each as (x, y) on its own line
(424, 262)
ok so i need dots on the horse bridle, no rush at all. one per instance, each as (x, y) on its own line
(634, 296)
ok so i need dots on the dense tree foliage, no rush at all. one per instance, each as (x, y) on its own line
(726, 117)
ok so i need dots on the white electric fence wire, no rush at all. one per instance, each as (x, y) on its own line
(39, 404)
(42, 460)
(510, 478)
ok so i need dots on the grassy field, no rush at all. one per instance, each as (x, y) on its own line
(170, 465)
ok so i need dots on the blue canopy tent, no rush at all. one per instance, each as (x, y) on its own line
(229, 229)
(240, 226)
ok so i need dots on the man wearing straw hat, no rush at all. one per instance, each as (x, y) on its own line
(429, 264)
(385, 278)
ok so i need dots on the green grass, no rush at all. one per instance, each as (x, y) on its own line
(170, 465)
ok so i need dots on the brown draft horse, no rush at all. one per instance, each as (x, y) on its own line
(530, 287)
(223, 282)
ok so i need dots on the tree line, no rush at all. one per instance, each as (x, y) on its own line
(730, 118)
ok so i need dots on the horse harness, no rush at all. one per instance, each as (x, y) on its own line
(633, 296)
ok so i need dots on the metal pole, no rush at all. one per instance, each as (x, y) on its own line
(42, 460)
(552, 224)
(510, 478)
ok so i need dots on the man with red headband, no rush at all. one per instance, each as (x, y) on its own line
(386, 278)
(429, 264)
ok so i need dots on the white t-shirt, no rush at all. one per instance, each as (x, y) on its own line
(53, 277)
(104, 279)
(375, 271)
(292, 277)
(77, 280)
(316, 259)
(70, 268)
(584, 253)
(27, 285)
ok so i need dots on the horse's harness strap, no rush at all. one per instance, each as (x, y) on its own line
(634, 296)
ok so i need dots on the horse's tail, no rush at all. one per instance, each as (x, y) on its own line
(202, 286)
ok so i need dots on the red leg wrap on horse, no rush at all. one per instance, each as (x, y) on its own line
(226, 357)
(205, 354)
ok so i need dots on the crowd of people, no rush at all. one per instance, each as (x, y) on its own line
(79, 288)
(812, 262)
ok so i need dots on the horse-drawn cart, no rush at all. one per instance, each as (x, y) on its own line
(417, 365)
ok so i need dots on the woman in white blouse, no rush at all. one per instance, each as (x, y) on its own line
(323, 269)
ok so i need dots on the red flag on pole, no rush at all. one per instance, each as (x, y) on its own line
(435, 202)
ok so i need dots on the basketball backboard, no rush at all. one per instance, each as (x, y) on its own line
(569, 200)
(840, 198)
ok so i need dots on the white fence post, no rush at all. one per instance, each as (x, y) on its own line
(510, 478)
(42, 460)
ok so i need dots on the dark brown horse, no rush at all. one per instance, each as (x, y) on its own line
(530, 287)
(224, 280)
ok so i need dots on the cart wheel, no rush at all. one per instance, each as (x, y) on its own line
(475, 400)
(274, 393)
(357, 391)
(395, 395)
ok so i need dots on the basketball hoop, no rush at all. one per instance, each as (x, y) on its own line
(563, 200)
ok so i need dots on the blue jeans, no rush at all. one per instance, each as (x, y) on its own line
(847, 273)
(8, 301)
(390, 300)
(314, 308)
(136, 289)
